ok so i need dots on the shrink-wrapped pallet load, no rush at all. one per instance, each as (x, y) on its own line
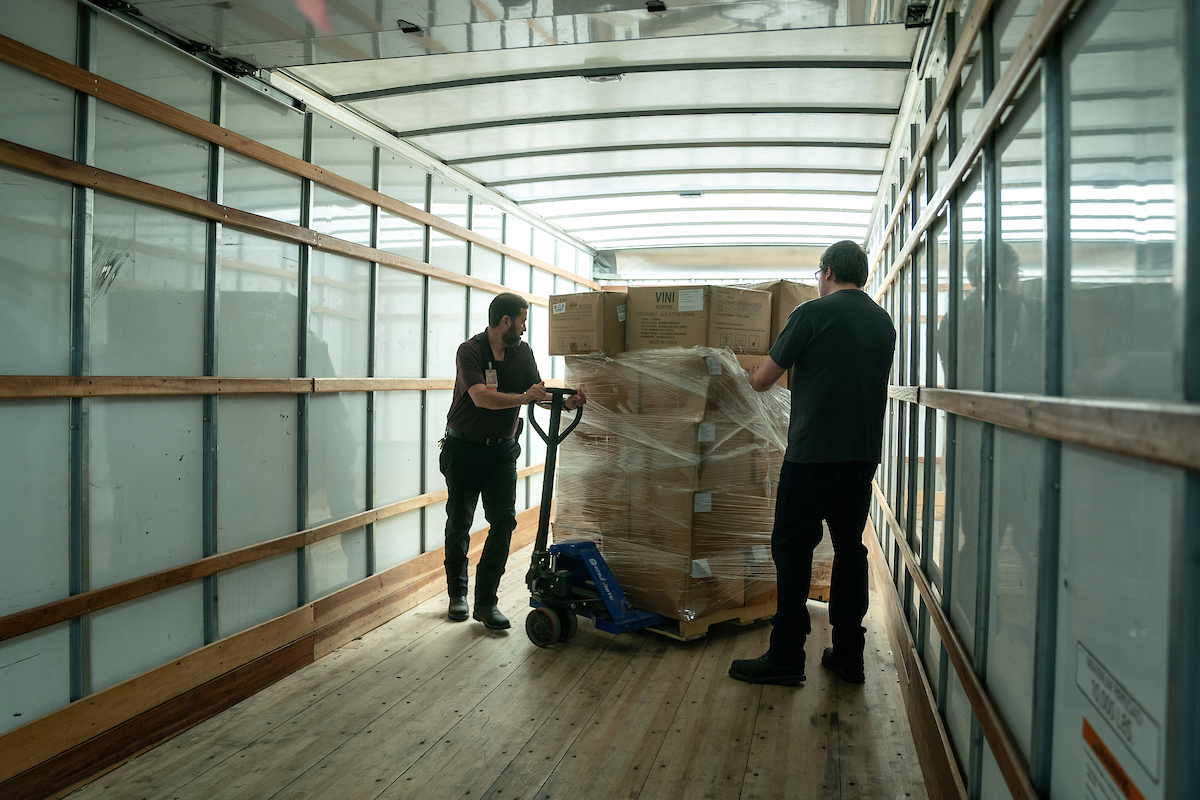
(673, 472)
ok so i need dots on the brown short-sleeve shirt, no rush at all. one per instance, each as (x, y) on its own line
(515, 374)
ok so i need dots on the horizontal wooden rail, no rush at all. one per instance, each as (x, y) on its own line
(939, 766)
(950, 83)
(28, 387)
(1043, 26)
(1163, 433)
(67, 74)
(77, 731)
(64, 169)
(907, 394)
(59, 611)
(1008, 756)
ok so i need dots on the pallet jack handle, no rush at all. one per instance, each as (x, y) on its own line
(552, 439)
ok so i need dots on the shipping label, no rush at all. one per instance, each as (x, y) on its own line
(691, 299)
(1134, 726)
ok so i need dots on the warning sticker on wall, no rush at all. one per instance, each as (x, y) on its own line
(1104, 778)
(1133, 724)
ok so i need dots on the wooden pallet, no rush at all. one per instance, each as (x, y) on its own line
(686, 631)
(689, 630)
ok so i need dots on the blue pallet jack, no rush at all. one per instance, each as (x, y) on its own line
(571, 579)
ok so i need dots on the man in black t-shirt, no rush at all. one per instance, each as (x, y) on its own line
(839, 347)
(496, 375)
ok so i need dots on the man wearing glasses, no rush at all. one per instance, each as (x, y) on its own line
(840, 348)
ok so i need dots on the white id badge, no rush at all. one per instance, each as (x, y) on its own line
(489, 377)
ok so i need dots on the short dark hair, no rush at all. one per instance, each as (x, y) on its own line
(847, 261)
(506, 305)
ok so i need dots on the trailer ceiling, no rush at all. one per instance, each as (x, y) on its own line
(704, 124)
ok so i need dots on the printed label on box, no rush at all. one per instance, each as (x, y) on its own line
(701, 568)
(708, 432)
(702, 502)
(560, 308)
(621, 312)
(691, 299)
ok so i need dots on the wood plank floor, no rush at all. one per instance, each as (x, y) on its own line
(425, 708)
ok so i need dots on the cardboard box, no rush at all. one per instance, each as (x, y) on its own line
(644, 383)
(687, 316)
(785, 296)
(673, 585)
(587, 322)
(693, 523)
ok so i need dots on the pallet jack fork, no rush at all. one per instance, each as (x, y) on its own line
(571, 579)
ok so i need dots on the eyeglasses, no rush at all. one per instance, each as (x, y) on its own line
(818, 273)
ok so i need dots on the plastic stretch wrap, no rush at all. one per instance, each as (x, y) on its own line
(673, 471)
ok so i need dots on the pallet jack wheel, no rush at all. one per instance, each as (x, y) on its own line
(542, 627)
(570, 624)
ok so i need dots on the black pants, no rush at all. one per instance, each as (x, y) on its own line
(840, 494)
(474, 470)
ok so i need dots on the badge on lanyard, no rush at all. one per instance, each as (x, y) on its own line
(489, 378)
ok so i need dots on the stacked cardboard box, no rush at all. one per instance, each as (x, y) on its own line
(785, 296)
(587, 322)
(673, 471)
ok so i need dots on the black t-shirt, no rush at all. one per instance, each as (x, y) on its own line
(515, 374)
(839, 348)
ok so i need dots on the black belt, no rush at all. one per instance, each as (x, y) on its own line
(466, 437)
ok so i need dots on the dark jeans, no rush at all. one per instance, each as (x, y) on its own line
(473, 470)
(840, 494)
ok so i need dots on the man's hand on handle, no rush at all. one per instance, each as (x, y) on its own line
(535, 393)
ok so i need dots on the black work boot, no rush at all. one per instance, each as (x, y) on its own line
(491, 617)
(458, 609)
(765, 669)
(850, 672)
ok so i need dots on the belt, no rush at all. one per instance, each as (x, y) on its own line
(466, 437)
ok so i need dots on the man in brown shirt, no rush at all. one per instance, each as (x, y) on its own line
(496, 375)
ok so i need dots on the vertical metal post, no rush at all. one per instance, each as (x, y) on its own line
(901, 378)
(423, 444)
(1182, 779)
(929, 474)
(83, 201)
(912, 603)
(212, 320)
(470, 252)
(991, 234)
(372, 331)
(303, 400)
(1054, 295)
(954, 224)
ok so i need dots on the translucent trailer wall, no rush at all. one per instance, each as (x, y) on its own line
(1037, 504)
(209, 347)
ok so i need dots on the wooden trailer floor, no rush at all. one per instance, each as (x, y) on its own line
(423, 707)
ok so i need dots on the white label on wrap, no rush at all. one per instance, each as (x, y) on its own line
(621, 313)
(691, 299)
(560, 308)
(760, 553)
(700, 568)
(714, 365)
(708, 432)
(702, 502)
